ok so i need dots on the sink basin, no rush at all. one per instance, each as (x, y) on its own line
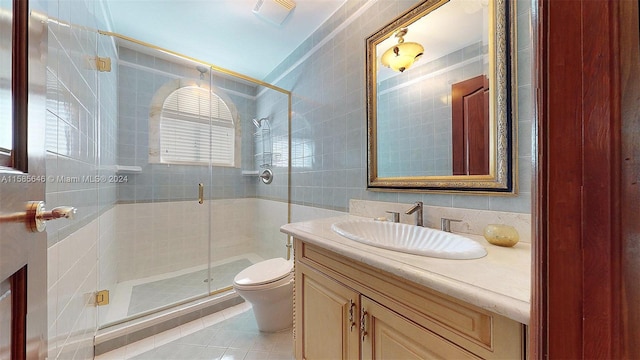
(410, 239)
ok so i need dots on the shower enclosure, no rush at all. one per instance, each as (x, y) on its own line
(191, 210)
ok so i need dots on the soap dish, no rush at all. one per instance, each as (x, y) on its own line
(501, 235)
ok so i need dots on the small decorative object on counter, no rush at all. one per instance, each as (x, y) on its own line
(501, 235)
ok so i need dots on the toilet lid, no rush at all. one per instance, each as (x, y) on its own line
(264, 272)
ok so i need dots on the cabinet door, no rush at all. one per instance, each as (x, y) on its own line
(328, 326)
(388, 335)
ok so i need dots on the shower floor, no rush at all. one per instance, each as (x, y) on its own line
(136, 296)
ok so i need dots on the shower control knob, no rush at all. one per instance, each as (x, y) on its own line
(266, 176)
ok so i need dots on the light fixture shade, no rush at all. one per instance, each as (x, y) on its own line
(401, 56)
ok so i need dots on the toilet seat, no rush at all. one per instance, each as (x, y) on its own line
(268, 273)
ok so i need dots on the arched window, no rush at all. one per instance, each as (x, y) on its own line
(195, 126)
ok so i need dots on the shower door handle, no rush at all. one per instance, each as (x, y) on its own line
(201, 193)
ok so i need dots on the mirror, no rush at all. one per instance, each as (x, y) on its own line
(441, 99)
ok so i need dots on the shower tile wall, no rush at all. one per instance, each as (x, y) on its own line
(274, 106)
(271, 215)
(80, 144)
(272, 211)
(141, 75)
(327, 79)
(80, 133)
(161, 226)
(161, 237)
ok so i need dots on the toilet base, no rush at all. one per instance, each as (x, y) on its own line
(274, 317)
(272, 308)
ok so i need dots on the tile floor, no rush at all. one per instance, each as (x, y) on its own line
(154, 294)
(145, 294)
(229, 334)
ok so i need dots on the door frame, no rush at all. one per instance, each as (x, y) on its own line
(23, 254)
(578, 196)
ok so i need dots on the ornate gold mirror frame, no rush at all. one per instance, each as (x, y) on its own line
(501, 177)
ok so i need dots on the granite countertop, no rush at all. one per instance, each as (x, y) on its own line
(499, 282)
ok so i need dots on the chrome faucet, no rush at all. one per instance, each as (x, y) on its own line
(416, 208)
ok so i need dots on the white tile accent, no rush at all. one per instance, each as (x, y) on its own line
(305, 213)
(72, 315)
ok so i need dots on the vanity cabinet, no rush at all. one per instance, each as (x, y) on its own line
(328, 314)
(345, 309)
(389, 335)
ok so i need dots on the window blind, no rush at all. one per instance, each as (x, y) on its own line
(196, 126)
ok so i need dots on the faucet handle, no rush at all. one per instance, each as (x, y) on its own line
(445, 224)
(395, 216)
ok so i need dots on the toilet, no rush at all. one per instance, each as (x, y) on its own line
(268, 286)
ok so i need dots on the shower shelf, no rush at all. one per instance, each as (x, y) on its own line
(262, 133)
(263, 157)
(127, 169)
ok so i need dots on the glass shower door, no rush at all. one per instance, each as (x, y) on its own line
(191, 211)
(157, 254)
(247, 212)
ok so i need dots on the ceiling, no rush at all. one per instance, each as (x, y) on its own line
(225, 33)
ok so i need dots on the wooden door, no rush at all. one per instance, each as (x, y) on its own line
(329, 328)
(388, 335)
(470, 126)
(23, 254)
(630, 176)
(586, 268)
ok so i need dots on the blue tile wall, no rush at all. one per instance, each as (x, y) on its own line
(81, 119)
(326, 76)
(141, 75)
(414, 114)
(274, 105)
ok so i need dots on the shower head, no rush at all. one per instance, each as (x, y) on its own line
(258, 122)
(202, 69)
